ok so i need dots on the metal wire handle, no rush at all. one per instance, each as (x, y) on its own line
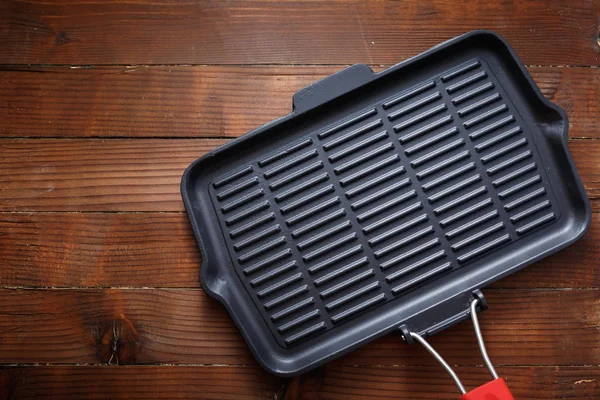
(447, 366)
(480, 342)
(441, 360)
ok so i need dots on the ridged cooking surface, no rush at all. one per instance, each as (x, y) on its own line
(386, 200)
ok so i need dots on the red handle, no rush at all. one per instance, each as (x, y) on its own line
(494, 390)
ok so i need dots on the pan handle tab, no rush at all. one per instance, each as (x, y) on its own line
(493, 390)
(331, 87)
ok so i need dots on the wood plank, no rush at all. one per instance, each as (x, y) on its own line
(91, 249)
(225, 382)
(139, 383)
(159, 250)
(205, 101)
(147, 101)
(432, 382)
(96, 175)
(560, 32)
(139, 175)
(522, 327)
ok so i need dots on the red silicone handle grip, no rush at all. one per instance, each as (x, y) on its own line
(494, 390)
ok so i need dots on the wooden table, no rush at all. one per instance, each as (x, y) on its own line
(102, 106)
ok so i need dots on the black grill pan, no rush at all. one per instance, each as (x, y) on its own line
(384, 201)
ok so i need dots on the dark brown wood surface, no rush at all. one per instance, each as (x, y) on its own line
(102, 106)
(560, 32)
(68, 250)
(207, 101)
(329, 383)
(116, 175)
(183, 326)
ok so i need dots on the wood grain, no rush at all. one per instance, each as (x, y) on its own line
(96, 175)
(97, 249)
(560, 32)
(341, 383)
(103, 104)
(522, 327)
(139, 382)
(159, 250)
(139, 175)
(209, 382)
(205, 101)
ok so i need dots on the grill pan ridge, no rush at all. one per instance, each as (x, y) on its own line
(384, 200)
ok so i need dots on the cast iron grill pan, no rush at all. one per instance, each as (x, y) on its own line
(384, 200)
